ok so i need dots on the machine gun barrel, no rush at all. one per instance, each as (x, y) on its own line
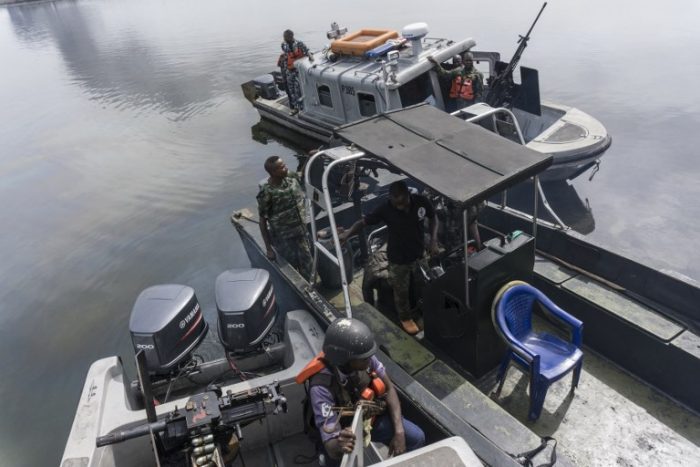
(234, 409)
(125, 435)
(501, 87)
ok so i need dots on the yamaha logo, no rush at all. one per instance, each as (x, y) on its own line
(189, 316)
(267, 297)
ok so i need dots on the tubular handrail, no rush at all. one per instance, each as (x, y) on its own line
(516, 124)
(494, 112)
(375, 232)
(337, 258)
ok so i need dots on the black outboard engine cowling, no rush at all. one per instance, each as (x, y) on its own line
(247, 308)
(265, 86)
(167, 323)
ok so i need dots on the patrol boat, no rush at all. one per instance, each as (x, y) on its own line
(371, 71)
(180, 410)
(636, 402)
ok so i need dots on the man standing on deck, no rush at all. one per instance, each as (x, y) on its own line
(292, 50)
(282, 211)
(403, 215)
(467, 82)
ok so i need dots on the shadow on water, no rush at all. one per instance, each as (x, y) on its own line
(562, 198)
(265, 132)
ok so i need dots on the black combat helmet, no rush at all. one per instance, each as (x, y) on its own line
(348, 339)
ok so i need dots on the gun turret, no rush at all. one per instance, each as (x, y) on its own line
(206, 424)
(501, 87)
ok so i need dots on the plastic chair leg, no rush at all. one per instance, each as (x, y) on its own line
(538, 392)
(576, 374)
(501, 377)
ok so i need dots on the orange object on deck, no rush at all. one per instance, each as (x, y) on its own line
(359, 42)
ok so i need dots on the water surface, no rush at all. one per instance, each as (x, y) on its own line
(126, 143)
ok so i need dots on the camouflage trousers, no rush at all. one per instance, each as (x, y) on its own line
(297, 252)
(400, 281)
(294, 90)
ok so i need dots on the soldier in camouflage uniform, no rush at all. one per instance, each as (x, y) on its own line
(292, 50)
(282, 216)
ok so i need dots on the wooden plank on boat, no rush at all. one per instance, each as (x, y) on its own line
(476, 408)
(402, 348)
(624, 307)
(485, 448)
(688, 342)
(552, 271)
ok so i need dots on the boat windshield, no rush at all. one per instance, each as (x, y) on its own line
(416, 91)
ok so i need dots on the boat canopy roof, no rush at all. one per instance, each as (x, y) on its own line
(462, 161)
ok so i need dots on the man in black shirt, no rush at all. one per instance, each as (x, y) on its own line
(403, 214)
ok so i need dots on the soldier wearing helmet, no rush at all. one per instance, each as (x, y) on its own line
(346, 371)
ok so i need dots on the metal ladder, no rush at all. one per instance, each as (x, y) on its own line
(321, 199)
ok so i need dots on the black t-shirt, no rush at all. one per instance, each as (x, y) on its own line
(405, 243)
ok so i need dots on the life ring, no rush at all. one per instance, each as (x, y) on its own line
(359, 42)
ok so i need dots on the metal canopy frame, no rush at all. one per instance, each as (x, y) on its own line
(483, 111)
(322, 200)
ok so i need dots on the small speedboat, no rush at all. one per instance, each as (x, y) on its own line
(349, 80)
(243, 408)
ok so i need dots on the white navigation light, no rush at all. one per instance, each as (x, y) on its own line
(415, 32)
(336, 32)
(393, 57)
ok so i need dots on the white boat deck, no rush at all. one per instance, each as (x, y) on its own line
(611, 419)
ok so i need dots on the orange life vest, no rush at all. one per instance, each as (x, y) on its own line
(293, 56)
(376, 387)
(462, 88)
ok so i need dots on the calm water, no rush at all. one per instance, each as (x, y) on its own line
(126, 143)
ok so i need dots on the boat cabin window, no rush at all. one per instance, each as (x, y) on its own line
(416, 91)
(367, 105)
(324, 96)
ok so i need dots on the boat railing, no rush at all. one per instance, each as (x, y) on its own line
(482, 111)
(375, 233)
(316, 198)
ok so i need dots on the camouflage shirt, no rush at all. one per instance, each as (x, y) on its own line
(284, 207)
(289, 49)
(473, 74)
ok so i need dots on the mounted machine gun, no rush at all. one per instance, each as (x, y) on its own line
(502, 89)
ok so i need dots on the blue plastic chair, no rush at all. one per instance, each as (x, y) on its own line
(545, 357)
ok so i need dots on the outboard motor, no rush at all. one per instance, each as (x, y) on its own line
(247, 308)
(265, 86)
(167, 324)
